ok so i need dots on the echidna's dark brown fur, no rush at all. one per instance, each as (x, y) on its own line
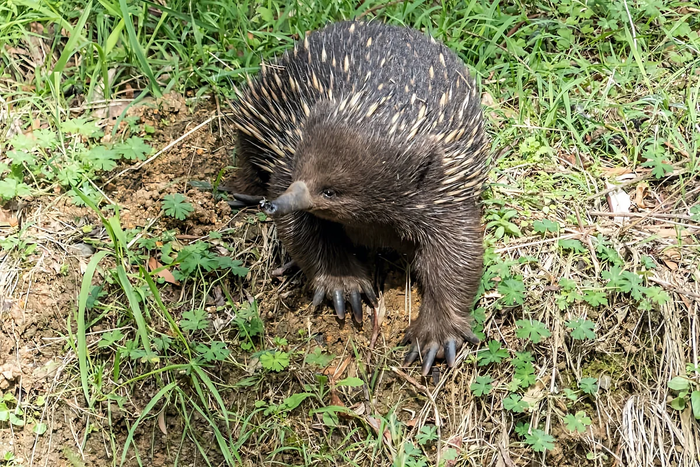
(384, 127)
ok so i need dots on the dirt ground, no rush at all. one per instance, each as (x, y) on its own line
(38, 361)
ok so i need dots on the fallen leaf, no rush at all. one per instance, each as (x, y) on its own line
(615, 171)
(618, 201)
(358, 409)
(670, 264)
(454, 443)
(377, 320)
(335, 400)
(161, 423)
(164, 274)
(568, 157)
(334, 374)
(639, 195)
(376, 425)
(535, 394)
(7, 219)
(669, 232)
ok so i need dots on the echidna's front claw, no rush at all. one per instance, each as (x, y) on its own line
(470, 337)
(241, 201)
(369, 293)
(339, 303)
(319, 295)
(450, 352)
(341, 288)
(436, 341)
(411, 356)
(250, 200)
(236, 204)
(429, 359)
(356, 303)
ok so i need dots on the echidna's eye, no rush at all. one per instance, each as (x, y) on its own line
(328, 193)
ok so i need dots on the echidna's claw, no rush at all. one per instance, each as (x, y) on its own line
(439, 341)
(470, 337)
(369, 293)
(319, 295)
(241, 201)
(339, 303)
(237, 204)
(450, 352)
(429, 359)
(249, 200)
(356, 303)
(410, 356)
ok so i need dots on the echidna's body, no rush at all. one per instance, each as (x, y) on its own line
(372, 135)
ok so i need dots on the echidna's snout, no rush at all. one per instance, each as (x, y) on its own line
(296, 198)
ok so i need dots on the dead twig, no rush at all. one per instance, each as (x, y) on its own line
(632, 182)
(412, 381)
(640, 214)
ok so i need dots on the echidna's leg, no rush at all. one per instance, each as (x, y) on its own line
(448, 271)
(326, 255)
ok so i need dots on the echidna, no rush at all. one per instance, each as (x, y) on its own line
(369, 135)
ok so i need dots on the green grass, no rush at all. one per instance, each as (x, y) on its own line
(571, 90)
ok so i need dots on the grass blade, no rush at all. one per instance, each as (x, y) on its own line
(156, 295)
(136, 47)
(82, 305)
(70, 47)
(135, 308)
(143, 415)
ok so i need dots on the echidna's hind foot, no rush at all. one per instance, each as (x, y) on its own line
(341, 287)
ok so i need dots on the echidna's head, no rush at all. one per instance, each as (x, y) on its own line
(343, 175)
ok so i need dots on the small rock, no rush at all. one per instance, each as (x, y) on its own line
(604, 382)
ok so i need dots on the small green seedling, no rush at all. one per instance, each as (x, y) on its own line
(427, 434)
(540, 441)
(175, 205)
(532, 330)
(274, 360)
(581, 329)
(688, 390)
(493, 354)
(577, 422)
(319, 358)
(481, 386)
(588, 385)
(512, 290)
(515, 403)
